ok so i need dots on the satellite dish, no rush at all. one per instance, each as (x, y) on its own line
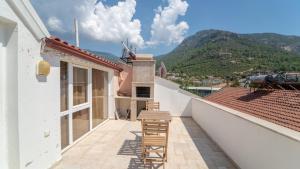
(127, 53)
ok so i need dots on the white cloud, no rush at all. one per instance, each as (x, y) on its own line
(164, 29)
(112, 23)
(97, 20)
(55, 24)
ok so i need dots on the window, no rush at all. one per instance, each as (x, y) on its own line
(63, 86)
(81, 123)
(143, 92)
(79, 86)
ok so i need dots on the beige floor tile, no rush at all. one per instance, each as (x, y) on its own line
(116, 145)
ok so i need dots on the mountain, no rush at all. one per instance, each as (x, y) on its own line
(222, 53)
(108, 56)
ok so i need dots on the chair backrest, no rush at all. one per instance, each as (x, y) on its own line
(151, 127)
(150, 105)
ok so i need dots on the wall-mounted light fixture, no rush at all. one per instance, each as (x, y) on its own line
(43, 68)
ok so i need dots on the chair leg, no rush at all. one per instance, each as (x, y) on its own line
(144, 152)
(166, 154)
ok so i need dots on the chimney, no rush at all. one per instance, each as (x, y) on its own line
(76, 32)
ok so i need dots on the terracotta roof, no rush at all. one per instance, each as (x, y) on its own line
(281, 107)
(61, 45)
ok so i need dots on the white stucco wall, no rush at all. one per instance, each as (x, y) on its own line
(172, 98)
(9, 146)
(8, 94)
(2, 116)
(39, 108)
(250, 142)
(30, 103)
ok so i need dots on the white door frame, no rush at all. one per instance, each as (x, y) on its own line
(72, 109)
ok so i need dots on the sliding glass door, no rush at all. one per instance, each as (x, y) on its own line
(99, 96)
(83, 101)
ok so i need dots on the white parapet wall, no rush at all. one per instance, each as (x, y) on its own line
(250, 142)
(171, 98)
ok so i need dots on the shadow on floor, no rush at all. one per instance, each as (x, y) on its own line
(130, 148)
(137, 163)
(213, 156)
(133, 148)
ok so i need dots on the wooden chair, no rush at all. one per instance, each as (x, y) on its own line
(153, 106)
(155, 140)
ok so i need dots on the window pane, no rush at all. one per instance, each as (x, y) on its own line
(99, 104)
(81, 123)
(79, 86)
(64, 131)
(63, 86)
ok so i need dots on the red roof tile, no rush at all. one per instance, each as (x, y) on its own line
(281, 107)
(58, 44)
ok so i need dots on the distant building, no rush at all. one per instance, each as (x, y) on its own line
(202, 91)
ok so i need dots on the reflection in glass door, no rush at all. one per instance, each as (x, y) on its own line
(99, 94)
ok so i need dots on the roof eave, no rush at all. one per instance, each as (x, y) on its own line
(70, 50)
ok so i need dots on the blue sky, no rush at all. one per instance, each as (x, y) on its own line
(103, 26)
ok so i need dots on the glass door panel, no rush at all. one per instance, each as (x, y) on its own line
(81, 123)
(63, 86)
(99, 94)
(64, 129)
(80, 83)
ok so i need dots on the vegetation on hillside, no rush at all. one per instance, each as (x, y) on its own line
(106, 55)
(226, 54)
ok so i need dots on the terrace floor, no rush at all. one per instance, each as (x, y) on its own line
(116, 145)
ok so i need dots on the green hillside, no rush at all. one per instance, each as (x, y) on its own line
(106, 55)
(222, 53)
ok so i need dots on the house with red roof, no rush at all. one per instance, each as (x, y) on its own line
(281, 107)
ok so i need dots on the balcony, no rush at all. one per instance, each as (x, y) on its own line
(116, 145)
(203, 135)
